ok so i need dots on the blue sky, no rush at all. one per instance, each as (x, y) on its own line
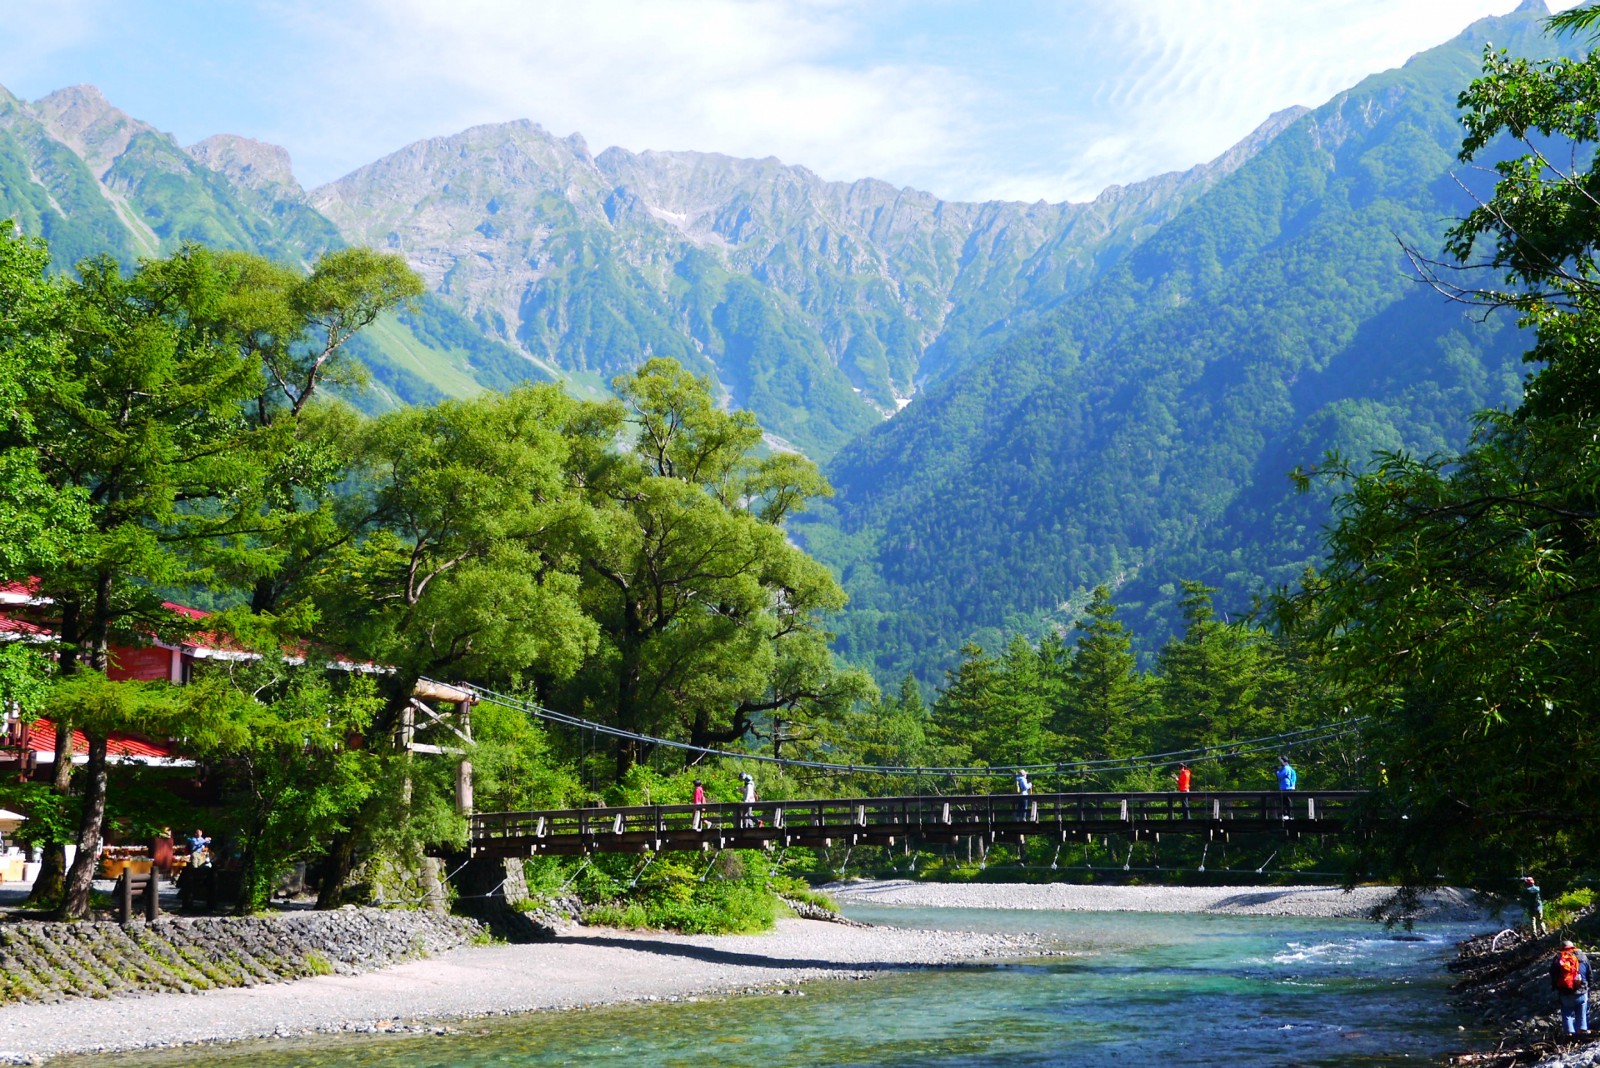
(1016, 99)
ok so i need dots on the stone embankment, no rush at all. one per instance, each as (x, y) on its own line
(51, 962)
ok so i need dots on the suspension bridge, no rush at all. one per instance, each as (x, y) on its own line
(927, 818)
(890, 821)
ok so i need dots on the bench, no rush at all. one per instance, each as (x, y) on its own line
(142, 887)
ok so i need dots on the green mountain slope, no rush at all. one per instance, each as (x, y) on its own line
(91, 179)
(1143, 433)
(821, 306)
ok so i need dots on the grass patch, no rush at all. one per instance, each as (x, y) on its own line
(1566, 908)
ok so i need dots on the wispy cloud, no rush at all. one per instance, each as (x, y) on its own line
(1028, 99)
(744, 78)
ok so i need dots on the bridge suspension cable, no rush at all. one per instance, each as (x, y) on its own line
(1246, 747)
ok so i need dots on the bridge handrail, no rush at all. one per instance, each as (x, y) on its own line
(921, 810)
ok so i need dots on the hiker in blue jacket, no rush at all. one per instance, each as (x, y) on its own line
(1287, 781)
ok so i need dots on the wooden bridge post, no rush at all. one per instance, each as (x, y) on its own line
(464, 769)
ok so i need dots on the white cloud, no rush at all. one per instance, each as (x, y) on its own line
(1028, 99)
(743, 78)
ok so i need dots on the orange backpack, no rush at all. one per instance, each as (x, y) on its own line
(1567, 970)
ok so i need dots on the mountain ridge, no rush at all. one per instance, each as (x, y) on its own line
(1104, 391)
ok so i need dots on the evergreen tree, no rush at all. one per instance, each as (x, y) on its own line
(1106, 695)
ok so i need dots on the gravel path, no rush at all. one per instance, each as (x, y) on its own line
(1318, 901)
(583, 967)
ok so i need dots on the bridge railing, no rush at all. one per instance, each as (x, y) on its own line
(928, 814)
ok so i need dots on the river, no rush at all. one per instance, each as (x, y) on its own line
(1129, 989)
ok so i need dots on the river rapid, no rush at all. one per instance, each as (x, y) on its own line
(1124, 989)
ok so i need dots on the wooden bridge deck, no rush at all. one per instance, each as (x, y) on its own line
(896, 820)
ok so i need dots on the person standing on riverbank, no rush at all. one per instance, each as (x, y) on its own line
(1288, 781)
(1533, 905)
(1569, 977)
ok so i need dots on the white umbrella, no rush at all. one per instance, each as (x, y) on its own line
(10, 821)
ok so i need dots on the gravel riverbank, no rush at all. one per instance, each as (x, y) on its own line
(590, 966)
(586, 966)
(1311, 901)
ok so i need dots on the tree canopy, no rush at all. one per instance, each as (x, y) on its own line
(1462, 591)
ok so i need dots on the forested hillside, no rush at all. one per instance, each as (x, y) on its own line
(1144, 432)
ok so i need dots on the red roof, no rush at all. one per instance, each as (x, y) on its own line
(19, 592)
(41, 738)
(22, 628)
(200, 644)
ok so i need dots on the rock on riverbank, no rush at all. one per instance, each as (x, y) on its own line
(1505, 981)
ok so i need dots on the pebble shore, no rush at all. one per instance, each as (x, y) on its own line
(586, 966)
(1332, 902)
(592, 966)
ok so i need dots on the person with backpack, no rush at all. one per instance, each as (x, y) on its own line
(1569, 977)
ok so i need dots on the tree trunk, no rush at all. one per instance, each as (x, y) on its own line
(336, 871)
(51, 881)
(628, 674)
(50, 885)
(75, 905)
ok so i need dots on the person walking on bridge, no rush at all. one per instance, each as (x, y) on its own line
(1184, 778)
(749, 817)
(1024, 792)
(1288, 781)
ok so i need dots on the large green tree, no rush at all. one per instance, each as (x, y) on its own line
(709, 617)
(1462, 593)
(1105, 698)
(148, 408)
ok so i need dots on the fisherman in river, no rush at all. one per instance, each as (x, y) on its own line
(1569, 977)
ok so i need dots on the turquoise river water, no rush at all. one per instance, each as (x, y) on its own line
(1138, 989)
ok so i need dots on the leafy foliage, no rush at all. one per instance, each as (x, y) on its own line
(1459, 602)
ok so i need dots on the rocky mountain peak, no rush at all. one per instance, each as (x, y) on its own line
(82, 118)
(251, 163)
